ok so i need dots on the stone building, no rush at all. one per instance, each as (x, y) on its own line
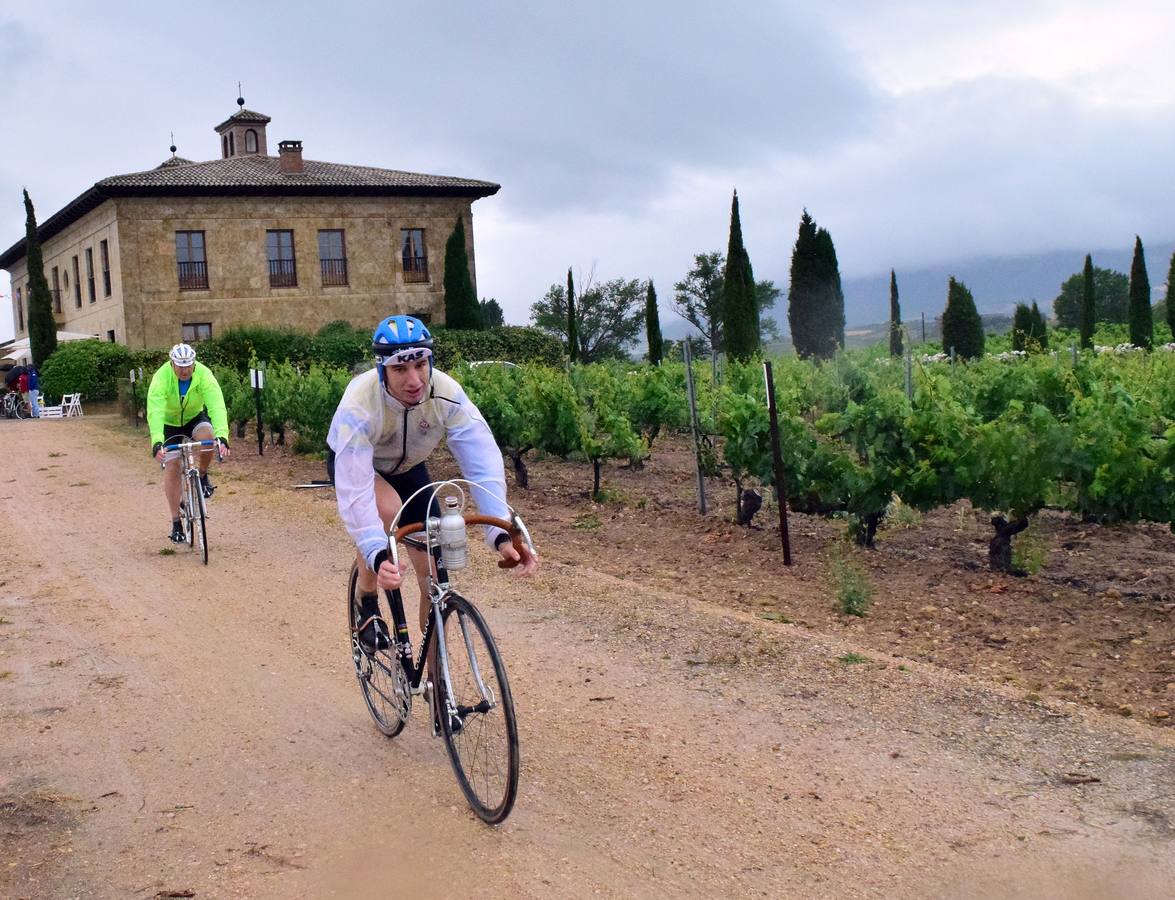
(188, 249)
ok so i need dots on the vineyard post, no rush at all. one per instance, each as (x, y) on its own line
(924, 328)
(257, 379)
(134, 399)
(693, 418)
(777, 461)
(1073, 353)
(910, 375)
(952, 354)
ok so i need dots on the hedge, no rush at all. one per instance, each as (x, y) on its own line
(91, 367)
(94, 367)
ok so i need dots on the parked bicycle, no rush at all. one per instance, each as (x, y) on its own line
(193, 511)
(15, 406)
(470, 703)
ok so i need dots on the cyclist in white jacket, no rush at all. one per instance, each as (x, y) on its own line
(387, 424)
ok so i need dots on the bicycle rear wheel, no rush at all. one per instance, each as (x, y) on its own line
(381, 675)
(481, 735)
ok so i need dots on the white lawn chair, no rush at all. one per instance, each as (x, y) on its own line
(71, 405)
(52, 412)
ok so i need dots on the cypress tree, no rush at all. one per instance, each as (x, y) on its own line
(1142, 326)
(1170, 305)
(1021, 327)
(1040, 330)
(962, 328)
(1088, 304)
(895, 317)
(653, 324)
(740, 309)
(572, 321)
(802, 292)
(831, 307)
(462, 309)
(42, 327)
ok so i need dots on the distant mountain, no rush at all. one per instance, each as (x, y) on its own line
(997, 283)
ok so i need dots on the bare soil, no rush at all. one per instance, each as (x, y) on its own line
(696, 718)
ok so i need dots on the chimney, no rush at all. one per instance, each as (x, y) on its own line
(289, 157)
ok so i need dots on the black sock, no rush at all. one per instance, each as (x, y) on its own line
(369, 604)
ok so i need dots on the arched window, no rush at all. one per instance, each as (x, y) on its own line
(250, 141)
(232, 148)
(224, 145)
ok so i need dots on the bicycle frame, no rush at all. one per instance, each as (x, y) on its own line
(439, 590)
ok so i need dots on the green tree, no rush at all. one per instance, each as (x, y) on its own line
(962, 328)
(491, 313)
(740, 313)
(895, 316)
(609, 317)
(1088, 304)
(1142, 326)
(832, 311)
(1170, 305)
(816, 311)
(42, 327)
(698, 297)
(1111, 298)
(461, 307)
(1021, 327)
(572, 322)
(1039, 333)
(653, 325)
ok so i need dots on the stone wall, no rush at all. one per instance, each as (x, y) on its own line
(100, 316)
(239, 292)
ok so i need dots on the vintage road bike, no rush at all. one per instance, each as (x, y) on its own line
(470, 703)
(193, 508)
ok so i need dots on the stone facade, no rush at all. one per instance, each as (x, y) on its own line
(73, 308)
(239, 292)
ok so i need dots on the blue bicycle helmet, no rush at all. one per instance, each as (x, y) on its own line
(401, 339)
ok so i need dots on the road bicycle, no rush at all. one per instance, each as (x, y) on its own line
(471, 705)
(15, 406)
(193, 511)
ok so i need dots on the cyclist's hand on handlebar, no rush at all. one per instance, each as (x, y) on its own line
(388, 577)
(528, 562)
(222, 446)
(160, 453)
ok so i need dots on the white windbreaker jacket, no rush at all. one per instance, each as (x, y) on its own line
(373, 432)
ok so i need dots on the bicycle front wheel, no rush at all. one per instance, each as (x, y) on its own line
(199, 525)
(478, 720)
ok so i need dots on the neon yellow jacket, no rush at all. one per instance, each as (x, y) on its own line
(166, 407)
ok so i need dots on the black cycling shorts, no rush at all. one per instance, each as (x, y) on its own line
(406, 484)
(170, 432)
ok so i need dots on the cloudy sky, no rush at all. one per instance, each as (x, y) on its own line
(918, 132)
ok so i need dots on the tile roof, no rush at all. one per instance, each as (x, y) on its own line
(262, 172)
(245, 176)
(244, 115)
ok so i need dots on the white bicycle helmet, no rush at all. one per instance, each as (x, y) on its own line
(182, 355)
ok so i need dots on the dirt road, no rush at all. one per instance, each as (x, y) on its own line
(168, 729)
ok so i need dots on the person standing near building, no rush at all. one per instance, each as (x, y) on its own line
(184, 402)
(34, 391)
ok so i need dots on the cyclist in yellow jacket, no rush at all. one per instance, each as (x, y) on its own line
(184, 402)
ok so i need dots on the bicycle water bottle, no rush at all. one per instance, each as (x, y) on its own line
(454, 544)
